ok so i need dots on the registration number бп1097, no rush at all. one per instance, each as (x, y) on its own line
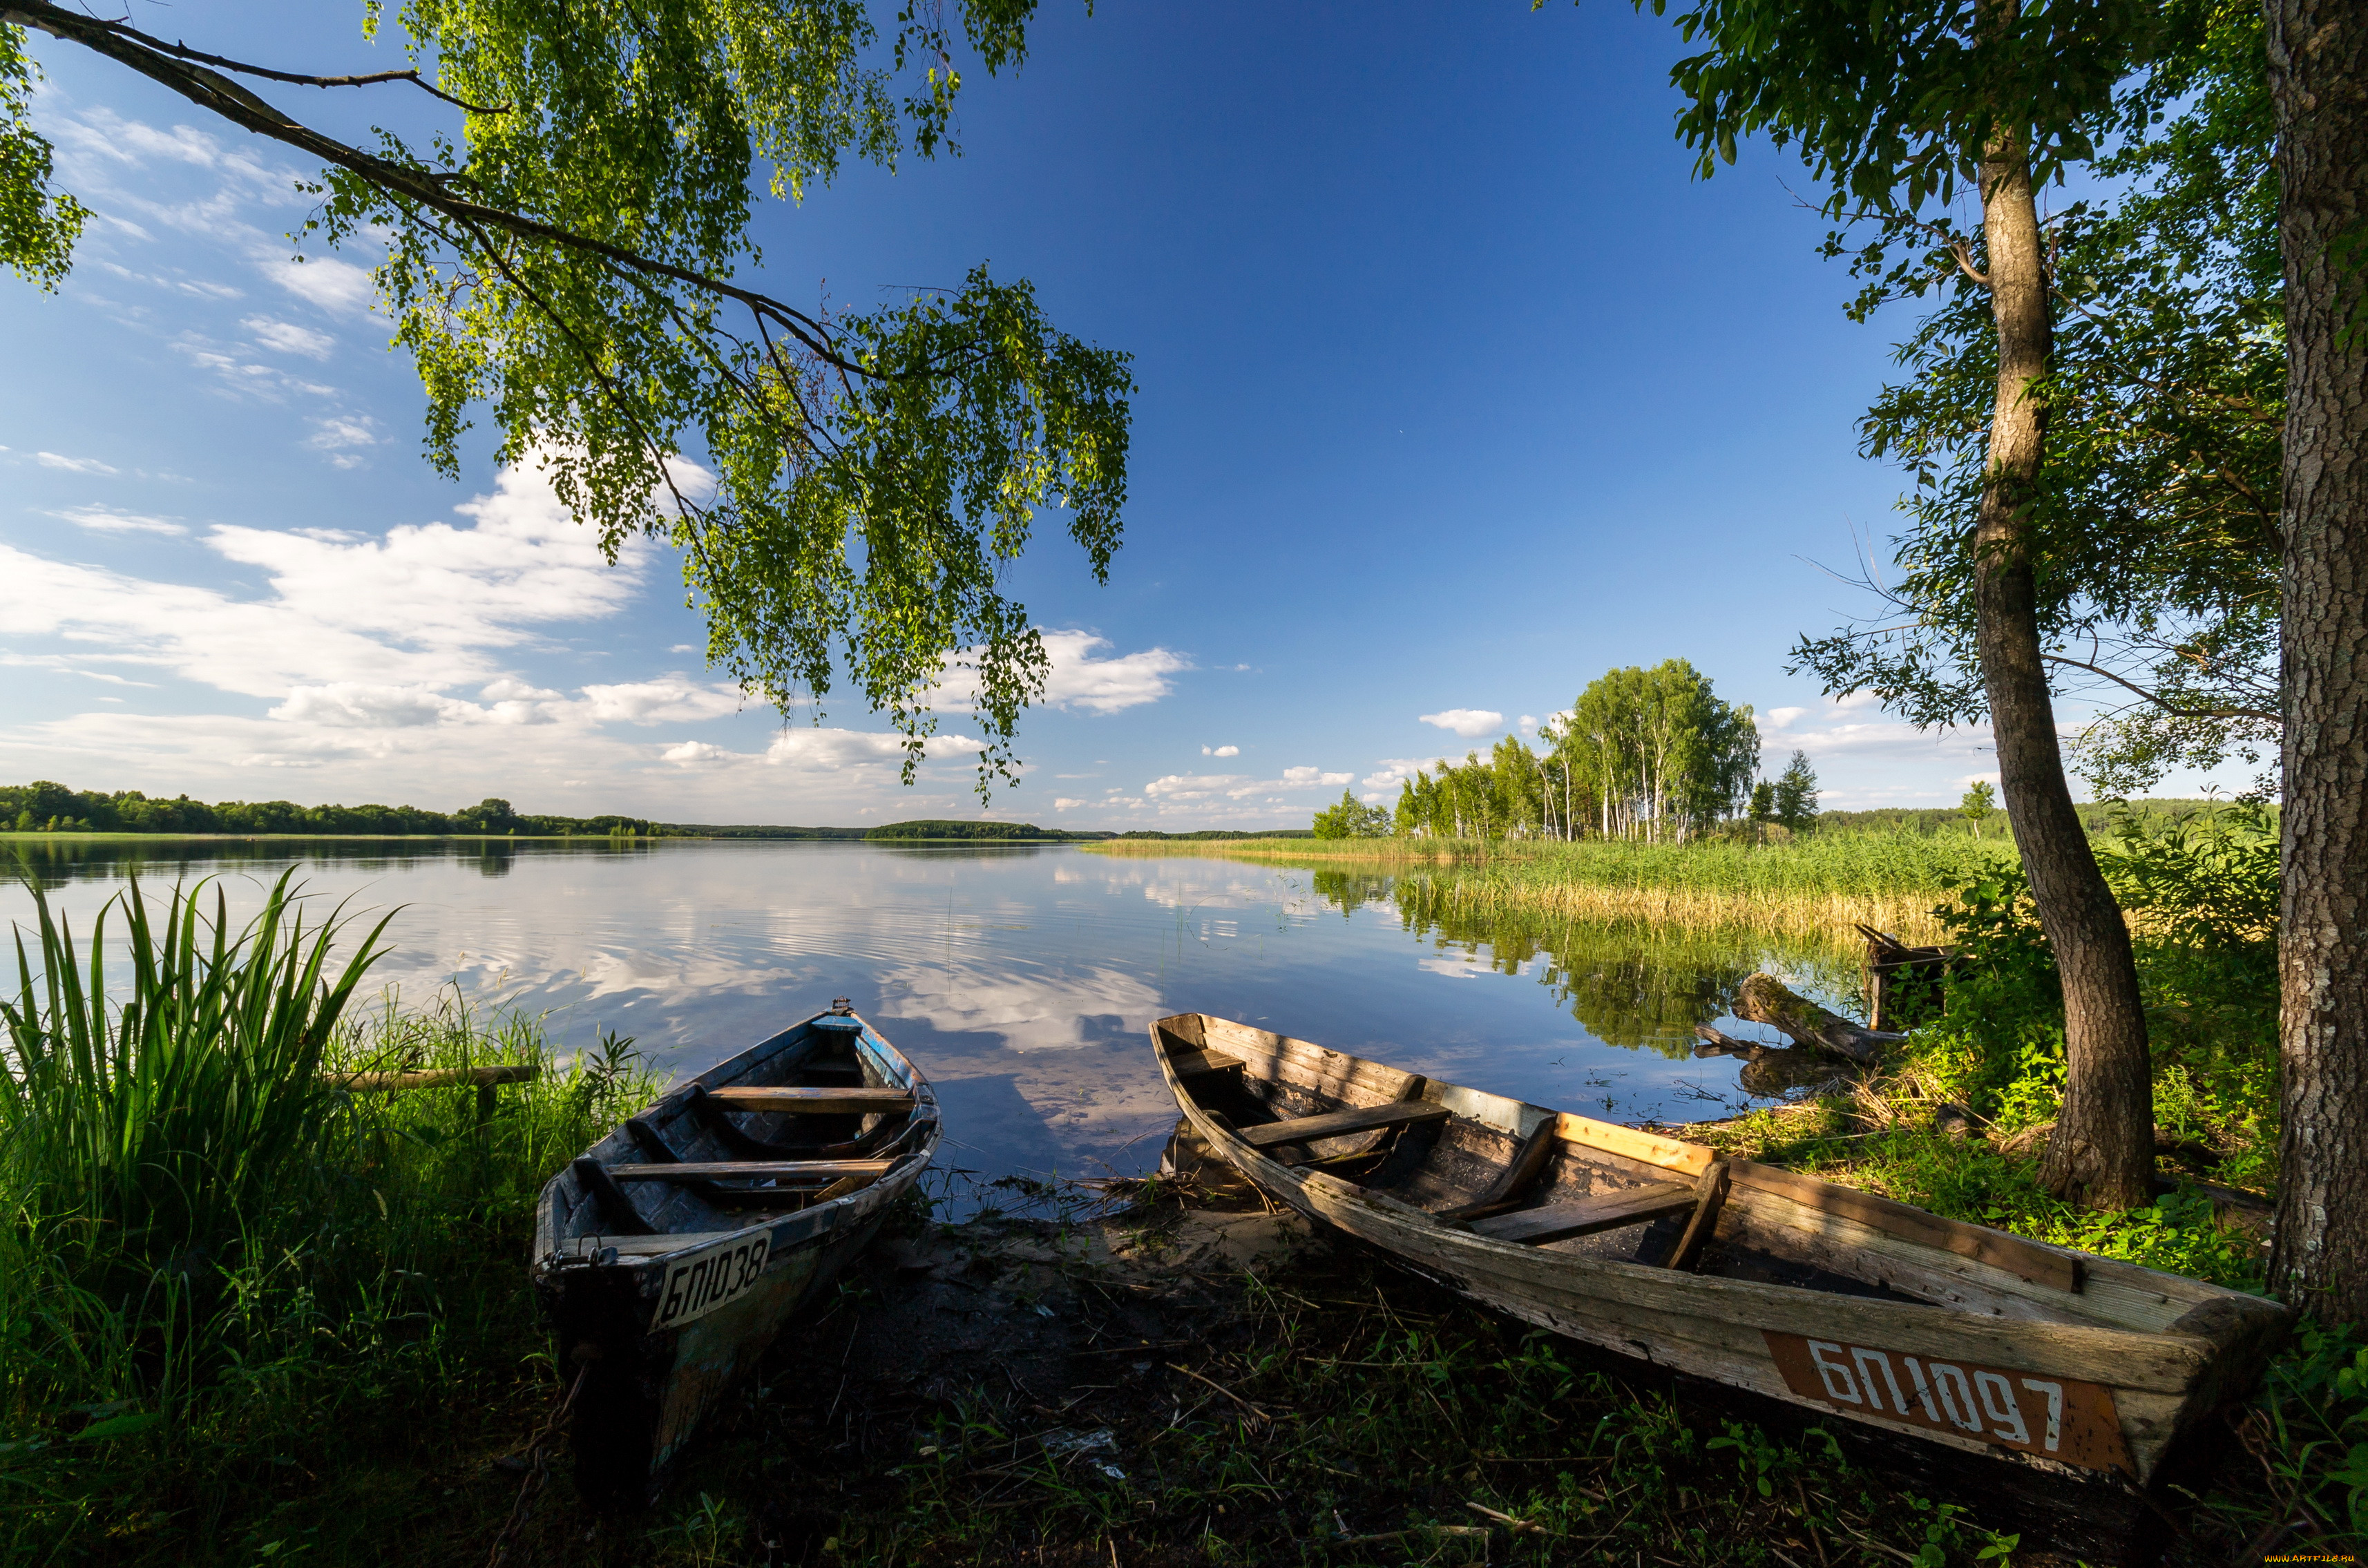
(2058, 1418)
(699, 1282)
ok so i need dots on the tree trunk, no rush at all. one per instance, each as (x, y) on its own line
(2318, 62)
(2102, 1153)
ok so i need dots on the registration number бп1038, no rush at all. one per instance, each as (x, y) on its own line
(699, 1282)
(2058, 1418)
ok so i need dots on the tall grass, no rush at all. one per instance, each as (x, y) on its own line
(157, 1123)
(243, 1310)
(1813, 886)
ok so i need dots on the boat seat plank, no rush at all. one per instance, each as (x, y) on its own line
(833, 1101)
(1192, 1063)
(710, 1170)
(1605, 1211)
(1337, 1123)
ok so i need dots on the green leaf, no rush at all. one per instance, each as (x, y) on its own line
(118, 1427)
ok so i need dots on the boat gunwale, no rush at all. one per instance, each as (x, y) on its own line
(2186, 1360)
(550, 1262)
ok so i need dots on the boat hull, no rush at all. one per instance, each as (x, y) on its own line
(660, 1304)
(2080, 1366)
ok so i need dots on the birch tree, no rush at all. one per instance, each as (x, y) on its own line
(565, 251)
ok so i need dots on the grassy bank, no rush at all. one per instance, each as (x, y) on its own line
(1815, 886)
(245, 1313)
(320, 1344)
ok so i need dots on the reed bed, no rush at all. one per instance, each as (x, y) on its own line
(1814, 887)
(225, 1282)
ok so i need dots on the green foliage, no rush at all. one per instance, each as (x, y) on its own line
(1893, 108)
(564, 252)
(2154, 520)
(1644, 754)
(38, 225)
(1350, 818)
(371, 1323)
(1845, 863)
(990, 831)
(42, 806)
(1979, 804)
(1795, 801)
(156, 1124)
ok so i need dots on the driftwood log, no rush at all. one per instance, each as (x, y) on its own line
(1764, 999)
(1772, 1072)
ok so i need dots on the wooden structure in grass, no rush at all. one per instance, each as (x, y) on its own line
(1760, 1277)
(669, 1255)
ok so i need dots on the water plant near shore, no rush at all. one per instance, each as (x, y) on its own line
(1813, 886)
(221, 1273)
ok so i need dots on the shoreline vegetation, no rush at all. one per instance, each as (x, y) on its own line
(333, 1351)
(1815, 886)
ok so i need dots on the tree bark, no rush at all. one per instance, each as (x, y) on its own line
(2318, 74)
(2102, 1153)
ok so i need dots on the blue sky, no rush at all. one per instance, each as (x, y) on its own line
(1456, 390)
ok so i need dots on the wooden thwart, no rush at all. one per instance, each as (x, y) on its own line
(1334, 1124)
(2040, 1264)
(815, 1102)
(1535, 1227)
(752, 1170)
(1192, 1063)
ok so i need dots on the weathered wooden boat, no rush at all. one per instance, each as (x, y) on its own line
(670, 1252)
(1759, 1278)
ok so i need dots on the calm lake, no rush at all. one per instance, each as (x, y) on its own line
(1021, 977)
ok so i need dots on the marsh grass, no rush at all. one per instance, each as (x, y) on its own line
(242, 1311)
(1810, 887)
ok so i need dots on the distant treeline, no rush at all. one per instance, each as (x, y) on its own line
(45, 807)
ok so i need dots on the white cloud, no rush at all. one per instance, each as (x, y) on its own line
(691, 754)
(1221, 751)
(339, 434)
(74, 465)
(354, 705)
(1782, 718)
(1396, 769)
(1238, 787)
(1063, 803)
(1465, 721)
(337, 287)
(290, 338)
(114, 520)
(1105, 686)
(1076, 680)
(816, 750)
(667, 700)
(195, 287)
(1529, 722)
(425, 605)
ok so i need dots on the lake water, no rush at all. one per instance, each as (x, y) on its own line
(1021, 978)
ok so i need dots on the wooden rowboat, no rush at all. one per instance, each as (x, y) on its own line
(669, 1254)
(1759, 1278)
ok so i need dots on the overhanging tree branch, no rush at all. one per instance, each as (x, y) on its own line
(2175, 711)
(219, 95)
(372, 79)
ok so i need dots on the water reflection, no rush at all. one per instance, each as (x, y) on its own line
(1630, 983)
(1020, 977)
